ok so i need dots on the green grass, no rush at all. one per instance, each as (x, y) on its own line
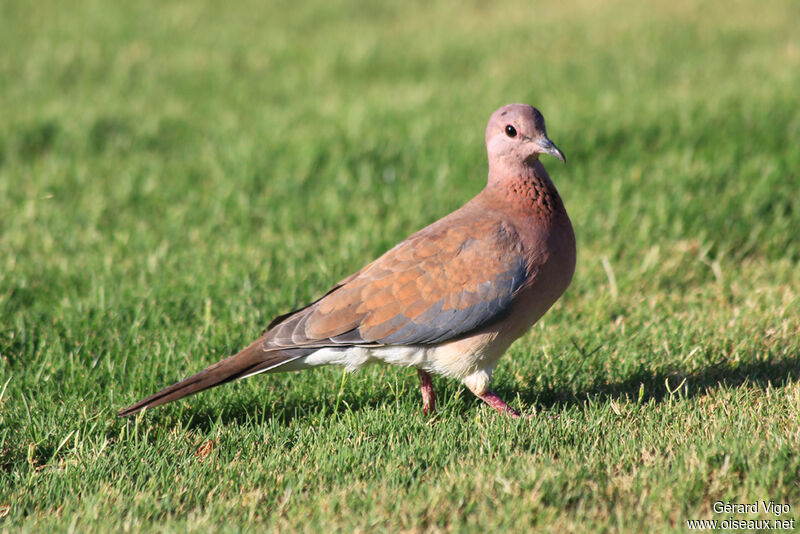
(173, 176)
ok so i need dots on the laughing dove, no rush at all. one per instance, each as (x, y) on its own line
(448, 300)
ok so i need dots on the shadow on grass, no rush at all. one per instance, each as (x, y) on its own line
(651, 386)
(248, 410)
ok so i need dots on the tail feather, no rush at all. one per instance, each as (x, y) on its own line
(249, 361)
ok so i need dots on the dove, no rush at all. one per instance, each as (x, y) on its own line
(449, 300)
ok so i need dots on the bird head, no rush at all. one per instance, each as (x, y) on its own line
(516, 134)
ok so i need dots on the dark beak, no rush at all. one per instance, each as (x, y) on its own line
(549, 147)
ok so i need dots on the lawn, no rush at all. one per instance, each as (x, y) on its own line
(173, 175)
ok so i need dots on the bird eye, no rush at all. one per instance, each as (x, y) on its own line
(511, 131)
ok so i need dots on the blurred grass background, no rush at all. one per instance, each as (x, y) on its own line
(175, 174)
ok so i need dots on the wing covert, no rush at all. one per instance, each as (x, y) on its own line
(437, 285)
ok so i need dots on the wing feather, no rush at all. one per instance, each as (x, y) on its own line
(439, 284)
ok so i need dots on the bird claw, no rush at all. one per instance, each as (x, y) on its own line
(499, 404)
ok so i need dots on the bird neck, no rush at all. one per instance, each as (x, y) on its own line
(526, 188)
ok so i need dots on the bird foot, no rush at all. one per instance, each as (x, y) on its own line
(499, 404)
(428, 396)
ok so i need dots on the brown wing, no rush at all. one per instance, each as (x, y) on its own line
(443, 282)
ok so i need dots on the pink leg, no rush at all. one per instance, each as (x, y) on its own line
(498, 404)
(428, 396)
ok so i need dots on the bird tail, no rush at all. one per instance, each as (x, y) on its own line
(251, 360)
